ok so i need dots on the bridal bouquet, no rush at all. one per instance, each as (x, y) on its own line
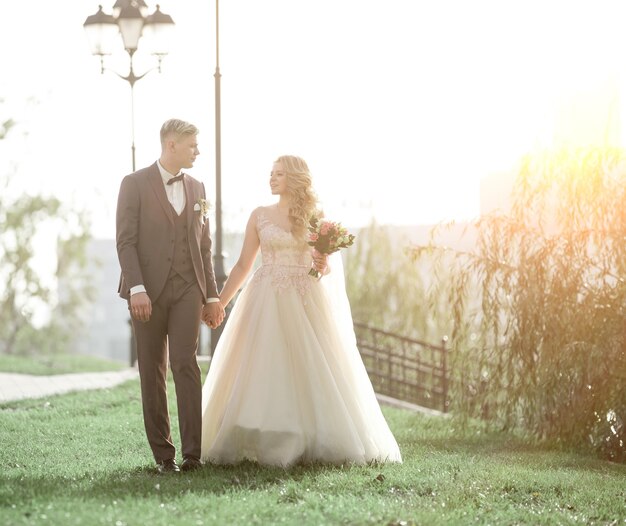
(327, 237)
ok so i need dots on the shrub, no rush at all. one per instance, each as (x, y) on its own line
(539, 306)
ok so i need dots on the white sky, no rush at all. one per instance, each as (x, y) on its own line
(399, 106)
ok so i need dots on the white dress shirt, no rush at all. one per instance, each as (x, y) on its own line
(175, 191)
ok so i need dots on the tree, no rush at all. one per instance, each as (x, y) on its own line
(388, 291)
(539, 341)
(23, 290)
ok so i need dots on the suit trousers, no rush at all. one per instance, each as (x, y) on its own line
(174, 326)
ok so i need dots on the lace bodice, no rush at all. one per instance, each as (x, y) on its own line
(284, 259)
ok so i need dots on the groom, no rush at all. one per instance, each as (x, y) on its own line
(164, 250)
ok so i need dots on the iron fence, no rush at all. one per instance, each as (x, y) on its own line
(403, 368)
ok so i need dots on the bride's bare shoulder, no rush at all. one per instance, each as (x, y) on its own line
(259, 210)
(260, 213)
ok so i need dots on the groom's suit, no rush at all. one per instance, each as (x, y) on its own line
(170, 255)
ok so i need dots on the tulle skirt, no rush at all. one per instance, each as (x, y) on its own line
(287, 384)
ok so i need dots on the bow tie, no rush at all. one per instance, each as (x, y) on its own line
(176, 179)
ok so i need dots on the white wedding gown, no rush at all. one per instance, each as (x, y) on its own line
(287, 383)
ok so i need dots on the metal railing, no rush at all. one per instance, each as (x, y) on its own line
(403, 368)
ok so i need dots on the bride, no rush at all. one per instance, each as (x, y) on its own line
(287, 384)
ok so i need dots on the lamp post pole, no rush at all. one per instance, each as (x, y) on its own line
(131, 79)
(220, 273)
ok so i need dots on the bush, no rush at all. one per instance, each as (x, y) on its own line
(539, 307)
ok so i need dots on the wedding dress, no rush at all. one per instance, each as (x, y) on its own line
(287, 383)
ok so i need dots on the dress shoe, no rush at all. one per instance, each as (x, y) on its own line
(168, 466)
(190, 463)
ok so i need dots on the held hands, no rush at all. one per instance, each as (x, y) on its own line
(140, 306)
(141, 310)
(213, 314)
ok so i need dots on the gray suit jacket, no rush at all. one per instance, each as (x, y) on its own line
(145, 234)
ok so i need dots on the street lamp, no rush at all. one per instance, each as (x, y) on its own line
(220, 273)
(130, 20)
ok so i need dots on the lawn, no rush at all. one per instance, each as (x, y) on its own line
(56, 364)
(83, 458)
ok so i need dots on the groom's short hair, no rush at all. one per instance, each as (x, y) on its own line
(177, 128)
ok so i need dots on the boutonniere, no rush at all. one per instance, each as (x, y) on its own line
(202, 206)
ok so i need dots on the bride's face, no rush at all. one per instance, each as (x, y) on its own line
(278, 179)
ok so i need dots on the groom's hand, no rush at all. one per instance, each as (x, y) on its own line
(140, 306)
(213, 314)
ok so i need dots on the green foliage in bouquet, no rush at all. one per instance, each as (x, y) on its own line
(327, 236)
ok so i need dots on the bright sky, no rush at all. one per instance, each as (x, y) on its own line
(399, 106)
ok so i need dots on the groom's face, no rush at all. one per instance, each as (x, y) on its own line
(185, 151)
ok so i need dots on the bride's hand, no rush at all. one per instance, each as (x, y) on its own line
(320, 261)
(213, 314)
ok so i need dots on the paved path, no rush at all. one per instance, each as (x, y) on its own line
(20, 386)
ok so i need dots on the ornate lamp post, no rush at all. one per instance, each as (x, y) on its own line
(130, 20)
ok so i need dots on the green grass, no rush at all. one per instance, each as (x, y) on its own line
(56, 364)
(83, 458)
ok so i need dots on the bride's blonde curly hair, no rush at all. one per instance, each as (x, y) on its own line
(302, 198)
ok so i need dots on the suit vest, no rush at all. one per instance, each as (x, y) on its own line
(181, 262)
